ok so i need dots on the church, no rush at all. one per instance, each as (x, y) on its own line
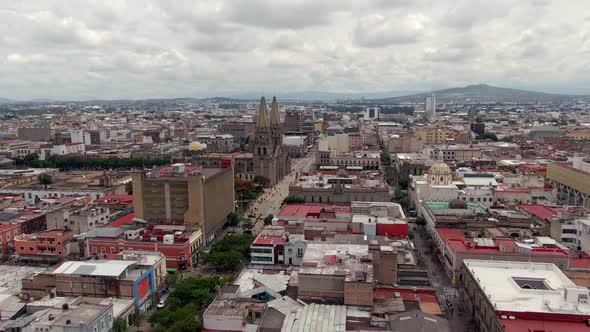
(266, 156)
(270, 157)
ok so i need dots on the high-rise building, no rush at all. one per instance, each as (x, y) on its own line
(196, 196)
(372, 113)
(271, 160)
(34, 133)
(430, 106)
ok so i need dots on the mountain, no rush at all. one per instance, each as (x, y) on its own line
(6, 101)
(483, 93)
(321, 95)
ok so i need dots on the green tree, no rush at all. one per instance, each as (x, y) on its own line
(224, 261)
(233, 219)
(119, 325)
(420, 221)
(293, 199)
(268, 219)
(129, 188)
(45, 180)
(262, 181)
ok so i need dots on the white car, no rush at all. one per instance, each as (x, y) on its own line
(161, 304)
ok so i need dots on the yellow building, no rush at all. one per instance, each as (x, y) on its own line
(572, 184)
(435, 135)
(196, 196)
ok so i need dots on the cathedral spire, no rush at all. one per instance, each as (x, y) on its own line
(262, 121)
(275, 117)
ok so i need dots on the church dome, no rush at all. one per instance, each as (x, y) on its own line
(440, 174)
(196, 146)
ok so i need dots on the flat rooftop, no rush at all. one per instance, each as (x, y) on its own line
(528, 287)
(101, 268)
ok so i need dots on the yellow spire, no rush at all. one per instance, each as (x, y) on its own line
(262, 120)
(275, 117)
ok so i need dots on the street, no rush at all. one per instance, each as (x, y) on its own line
(270, 202)
(447, 294)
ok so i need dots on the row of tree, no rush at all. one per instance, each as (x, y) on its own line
(228, 254)
(186, 304)
(91, 163)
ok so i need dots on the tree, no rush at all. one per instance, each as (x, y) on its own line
(293, 199)
(45, 180)
(403, 183)
(119, 325)
(224, 261)
(261, 181)
(233, 219)
(268, 219)
(488, 136)
(420, 221)
(129, 188)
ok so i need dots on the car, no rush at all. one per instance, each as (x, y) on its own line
(161, 304)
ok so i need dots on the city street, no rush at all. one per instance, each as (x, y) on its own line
(447, 294)
(270, 202)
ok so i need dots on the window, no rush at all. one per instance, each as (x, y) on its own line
(300, 252)
(21, 248)
(103, 250)
(94, 250)
(31, 249)
(261, 259)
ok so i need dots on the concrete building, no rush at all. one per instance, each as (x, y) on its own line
(504, 296)
(82, 317)
(53, 243)
(234, 315)
(437, 185)
(34, 133)
(8, 232)
(240, 129)
(96, 278)
(372, 113)
(217, 143)
(198, 197)
(342, 188)
(180, 246)
(275, 246)
(435, 135)
(430, 106)
(572, 233)
(571, 181)
(345, 273)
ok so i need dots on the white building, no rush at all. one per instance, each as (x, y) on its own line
(437, 185)
(61, 150)
(372, 113)
(430, 106)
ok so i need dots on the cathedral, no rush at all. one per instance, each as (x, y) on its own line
(270, 158)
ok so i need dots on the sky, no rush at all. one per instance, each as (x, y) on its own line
(172, 48)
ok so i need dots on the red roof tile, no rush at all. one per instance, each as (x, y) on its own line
(122, 221)
(539, 211)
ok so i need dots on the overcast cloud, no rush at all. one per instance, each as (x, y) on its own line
(151, 49)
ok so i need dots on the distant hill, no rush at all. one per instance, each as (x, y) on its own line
(483, 93)
(320, 95)
(5, 101)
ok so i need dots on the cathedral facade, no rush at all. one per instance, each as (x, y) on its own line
(270, 157)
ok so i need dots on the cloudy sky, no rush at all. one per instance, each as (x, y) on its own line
(172, 48)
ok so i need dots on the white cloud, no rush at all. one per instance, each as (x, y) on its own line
(162, 48)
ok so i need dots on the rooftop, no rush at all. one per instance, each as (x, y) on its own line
(100, 268)
(312, 210)
(528, 287)
(440, 206)
(316, 317)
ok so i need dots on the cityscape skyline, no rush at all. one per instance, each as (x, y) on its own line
(129, 50)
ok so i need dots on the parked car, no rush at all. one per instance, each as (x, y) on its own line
(161, 304)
